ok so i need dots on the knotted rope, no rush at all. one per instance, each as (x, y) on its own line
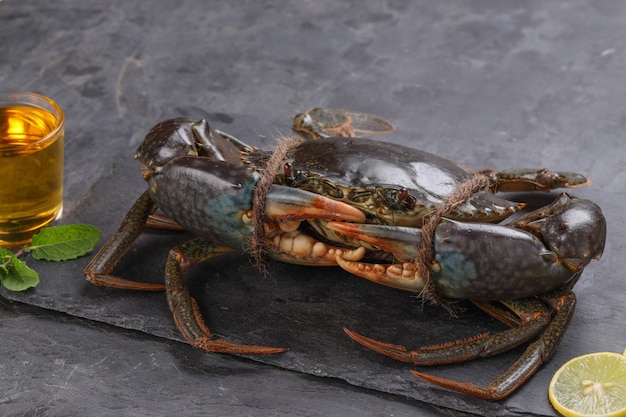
(259, 200)
(478, 181)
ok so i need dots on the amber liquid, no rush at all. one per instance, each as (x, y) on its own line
(31, 172)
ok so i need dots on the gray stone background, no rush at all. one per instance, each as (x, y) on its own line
(484, 83)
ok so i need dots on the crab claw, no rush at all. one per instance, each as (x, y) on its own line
(288, 207)
(286, 204)
(471, 259)
(400, 241)
(574, 228)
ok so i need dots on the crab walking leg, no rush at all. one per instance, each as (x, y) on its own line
(534, 316)
(163, 223)
(538, 180)
(184, 308)
(503, 316)
(98, 270)
(535, 355)
(484, 345)
(322, 122)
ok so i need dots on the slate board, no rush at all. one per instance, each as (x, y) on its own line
(500, 85)
(305, 308)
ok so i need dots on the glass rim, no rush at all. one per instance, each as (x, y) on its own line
(10, 97)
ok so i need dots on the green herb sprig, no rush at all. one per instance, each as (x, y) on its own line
(56, 243)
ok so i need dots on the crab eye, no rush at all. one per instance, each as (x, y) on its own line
(403, 194)
(288, 170)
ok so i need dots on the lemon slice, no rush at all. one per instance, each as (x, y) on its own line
(591, 385)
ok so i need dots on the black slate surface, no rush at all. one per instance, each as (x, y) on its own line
(485, 84)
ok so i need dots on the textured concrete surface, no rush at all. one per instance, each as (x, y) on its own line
(486, 84)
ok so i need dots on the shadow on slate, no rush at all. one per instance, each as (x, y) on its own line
(301, 308)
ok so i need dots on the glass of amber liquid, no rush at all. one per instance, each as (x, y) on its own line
(31, 165)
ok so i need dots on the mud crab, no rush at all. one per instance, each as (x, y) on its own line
(344, 201)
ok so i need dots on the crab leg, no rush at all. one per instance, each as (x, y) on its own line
(538, 180)
(165, 223)
(534, 318)
(98, 270)
(184, 308)
(323, 123)
(535, 355)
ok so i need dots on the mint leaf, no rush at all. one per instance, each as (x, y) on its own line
(57, 243)
(14, 274)
(61, 243)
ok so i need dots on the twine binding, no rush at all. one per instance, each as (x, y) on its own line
(259, 200)
(478, 181)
